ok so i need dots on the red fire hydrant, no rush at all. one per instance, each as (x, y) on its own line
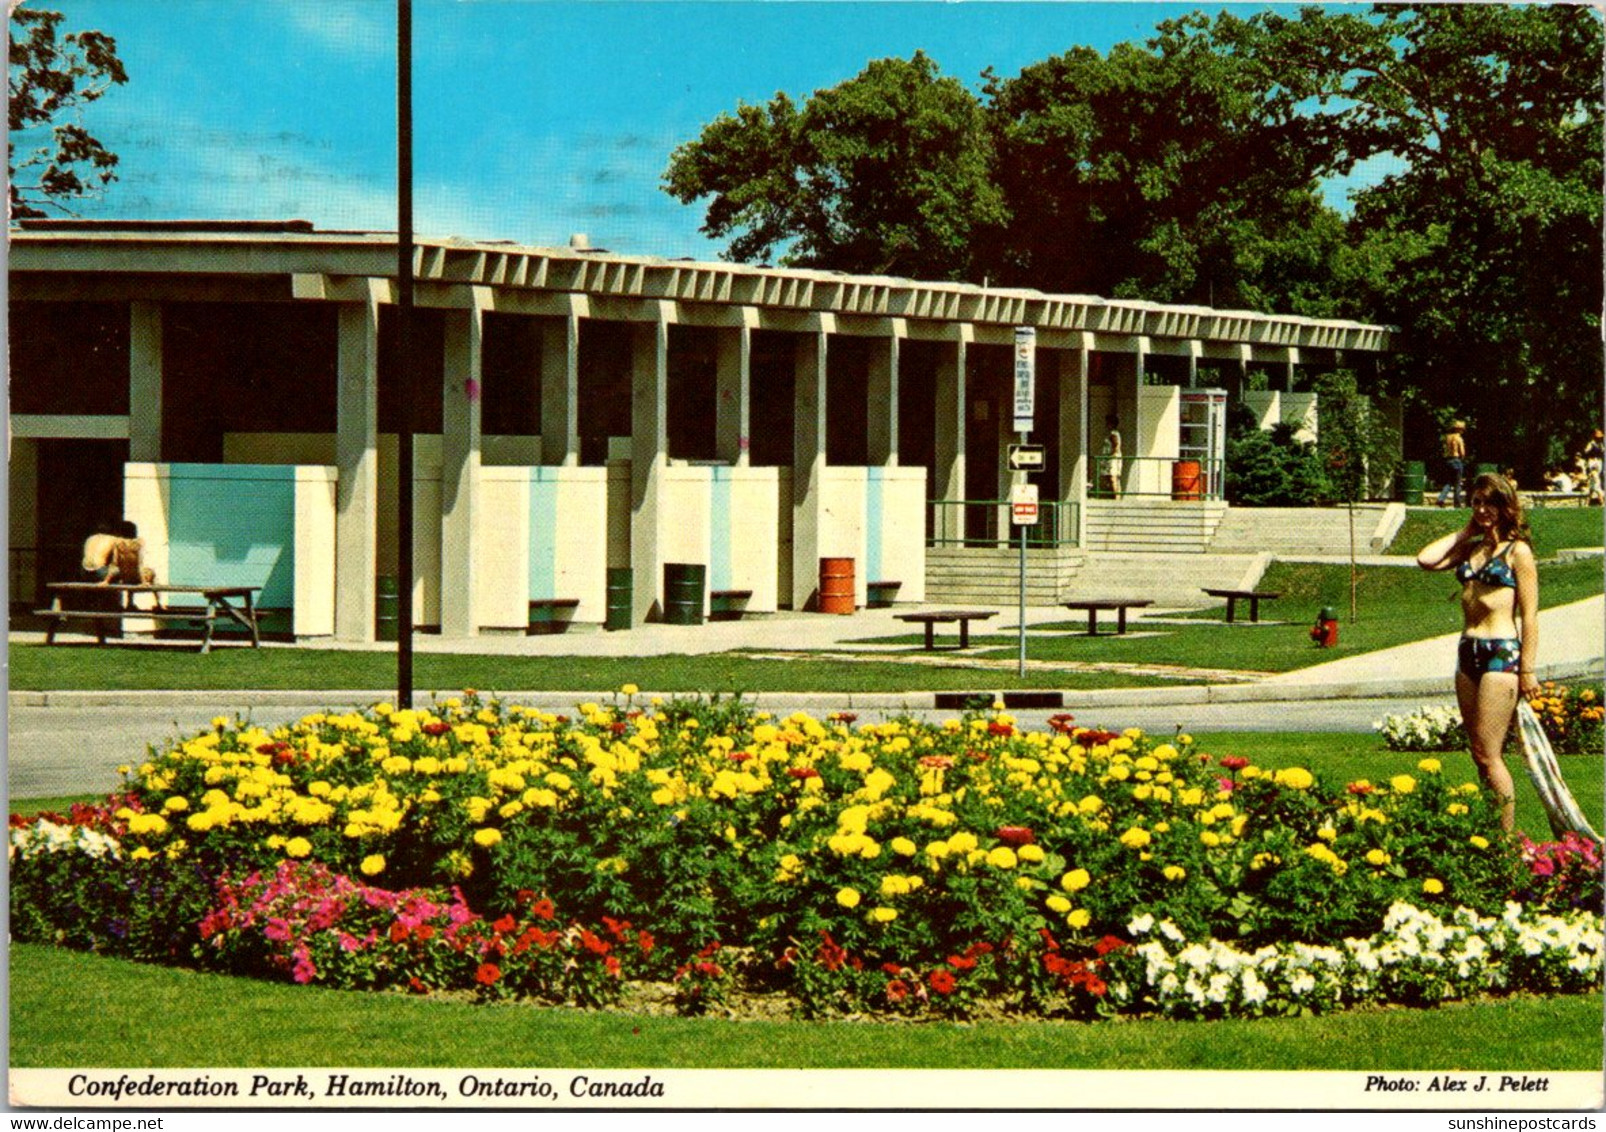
(1325, 631)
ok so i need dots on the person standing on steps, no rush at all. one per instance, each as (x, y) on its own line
(1493, 559)
(1112, 456)
(1454, 451)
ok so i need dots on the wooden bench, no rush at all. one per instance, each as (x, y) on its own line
(220, 602)
(728, 605)
(880, 595)
(1092, 606)
(932, 619)
(550, 615)
(1253, 597)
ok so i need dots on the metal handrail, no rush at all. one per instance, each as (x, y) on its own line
(986, 522)
(1153, 477)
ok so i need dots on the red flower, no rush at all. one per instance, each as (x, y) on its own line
(740, 756)
(831, 955)
(996, 728)
(942, 981)
(936, 762)
(1095, 986)
(504, 925)
(1016, 835)
(1108, 944)
(645, 942)
(416, 985)
(611, 965)
(897, 990)
(1359, 787)
(1061, 722)
(437, 727)
(1226, 784)
(425, 931)
(1092, 738)
(487, 974)
(892, 968)
(594, 943)
(841, 717)
(398, 933)
(1234, 762)
(542, 909)
(802, 772)
(961, 962)
(618, 727)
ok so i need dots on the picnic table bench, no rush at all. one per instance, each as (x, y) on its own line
(932, 618)
(220, 602)
(1253, 597)
(1092, 606)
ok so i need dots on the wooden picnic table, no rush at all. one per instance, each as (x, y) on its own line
(220, 602)
(1092, 606)
(1253, 597)
(932, 618)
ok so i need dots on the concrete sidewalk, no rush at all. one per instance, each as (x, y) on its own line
(1572, 644)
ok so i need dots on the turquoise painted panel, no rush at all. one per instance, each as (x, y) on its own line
(544, 484)
(721, 572)
(874, 505)
(233, 525)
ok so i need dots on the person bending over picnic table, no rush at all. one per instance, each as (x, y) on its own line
(113, 554)
(1493, 559)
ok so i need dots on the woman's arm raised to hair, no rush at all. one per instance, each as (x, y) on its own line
(1442, 553)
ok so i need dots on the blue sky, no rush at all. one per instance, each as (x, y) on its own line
(534, 119)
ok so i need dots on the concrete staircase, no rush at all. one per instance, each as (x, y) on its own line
(1159, 526)
(990, 576)
(1171, 581)
(1286, 532)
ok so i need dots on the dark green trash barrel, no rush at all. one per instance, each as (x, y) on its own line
(621, 597)
(387, 609)
(683, 592)
(1413, 481)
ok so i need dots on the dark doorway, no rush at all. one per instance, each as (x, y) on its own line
(80, 486)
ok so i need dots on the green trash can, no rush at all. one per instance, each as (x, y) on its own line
(387, 609)
(684, 583)
(1413, 481)
(621, 597)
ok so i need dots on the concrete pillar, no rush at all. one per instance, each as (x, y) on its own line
(1290, 361)
(649, 457)
(1074, 433)
(560, 386)
(733, 389)
(882, 379)
(1129, 371)
(145, 382)
(1195, 348)
(808, 462)
(357, 463)
(952, 405)
(460, 464)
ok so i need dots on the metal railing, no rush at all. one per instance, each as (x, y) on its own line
(986, 522)
(1156, 477)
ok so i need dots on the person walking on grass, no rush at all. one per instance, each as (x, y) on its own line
(1493, 559)
(1455, 462)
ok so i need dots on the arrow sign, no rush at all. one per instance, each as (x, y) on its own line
(1025, 457)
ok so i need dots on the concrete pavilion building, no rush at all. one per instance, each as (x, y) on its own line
(233, 389)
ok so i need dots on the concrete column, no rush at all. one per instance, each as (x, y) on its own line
(649, 457)
(1129, 371)
(882, 380)
(952, 404)
(1195, 348)
(560, 386)
(1290, 361)
(357, 462)
(733, 392)
(808, 462)
(460, 464)
(145, 382)
(1073, 432)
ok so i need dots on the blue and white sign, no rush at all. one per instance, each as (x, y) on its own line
(1025, 377)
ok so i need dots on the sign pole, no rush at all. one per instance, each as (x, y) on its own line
(404, 378)
(1021, 668)
(1023, 512)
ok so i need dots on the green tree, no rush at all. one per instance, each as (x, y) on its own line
(887, 173)
(1484, 246)
(53, 77)
(1358, 446)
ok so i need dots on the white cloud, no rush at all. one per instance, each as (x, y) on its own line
(365, 27)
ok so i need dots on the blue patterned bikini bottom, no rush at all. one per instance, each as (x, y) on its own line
(1488, 654)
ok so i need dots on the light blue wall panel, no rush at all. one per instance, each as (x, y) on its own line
(233, 525)
(544, 484)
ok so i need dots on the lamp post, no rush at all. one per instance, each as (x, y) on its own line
(404, 328)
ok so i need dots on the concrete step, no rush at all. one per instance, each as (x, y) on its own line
(1303, 530)
(1170, 580)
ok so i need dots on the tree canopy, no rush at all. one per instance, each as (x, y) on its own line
(53, 76)
(1190, 168)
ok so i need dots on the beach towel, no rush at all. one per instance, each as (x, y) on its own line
(1560, 806)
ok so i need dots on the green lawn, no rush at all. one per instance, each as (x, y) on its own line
(1396, 606)
(149, 1016)
(1554, 528)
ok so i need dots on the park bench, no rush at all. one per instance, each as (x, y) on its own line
(1253, 597)
(220, 603)
(550, 615)
(932, 618)
(879, 595)
(1092, 606)
(728, 605)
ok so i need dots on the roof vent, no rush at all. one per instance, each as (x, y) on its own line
(579, 242)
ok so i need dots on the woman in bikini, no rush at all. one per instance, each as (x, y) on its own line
(1494, 563)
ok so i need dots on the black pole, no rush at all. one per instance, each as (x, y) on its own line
(404, 335)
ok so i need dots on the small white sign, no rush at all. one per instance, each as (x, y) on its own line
(1023, 504)
(1025, 377)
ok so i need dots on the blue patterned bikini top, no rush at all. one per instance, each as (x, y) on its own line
(1495, 572)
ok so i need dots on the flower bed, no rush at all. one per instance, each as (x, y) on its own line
(1571, 716)
(897, 867)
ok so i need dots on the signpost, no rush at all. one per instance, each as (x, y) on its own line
(1024, 456)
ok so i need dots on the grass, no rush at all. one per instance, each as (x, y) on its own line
(1554, 528)
(162, 1017)
(1396, 606)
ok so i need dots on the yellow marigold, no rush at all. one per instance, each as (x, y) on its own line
(902, 846)
(1174, 872)
(848, 897)
(962, 842)
(485, 838)
(1058, 904)
(1402, 783)
(1429, 766)
(1030, 853)
(1294, 777)
(1075, 880)
(1455, 808)
(883, 915)
(142, 854)
(373, 865)
(1079, 919)
(1209, 838)
(1376, 857)
(628, 690)
(1478, 842)
(297, 847)
(1136, 838)
(937, 850)
(1327, 833)
(1432, 886)
(1002, 857)
(177, 804)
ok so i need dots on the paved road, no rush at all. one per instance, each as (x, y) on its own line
(75, 750)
